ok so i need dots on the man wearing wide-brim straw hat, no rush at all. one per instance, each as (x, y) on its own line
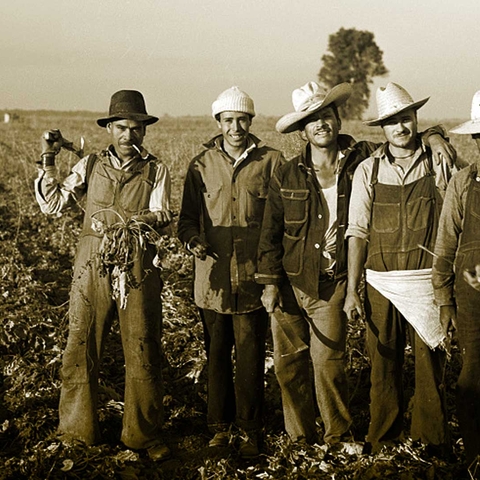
(220, 224)
(303, 245)
(393, 218)
(123, 184)
(456, 269)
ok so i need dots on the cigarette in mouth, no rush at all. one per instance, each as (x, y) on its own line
(136, 148)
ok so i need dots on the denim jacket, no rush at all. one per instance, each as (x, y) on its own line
(294, 221)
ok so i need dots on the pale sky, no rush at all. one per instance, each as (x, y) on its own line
(73, 54)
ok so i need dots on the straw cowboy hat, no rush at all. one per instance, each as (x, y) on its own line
(127, 105)
(391, 100)
(310, 99)
(472, 126)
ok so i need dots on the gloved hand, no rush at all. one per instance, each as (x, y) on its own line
(52, 141)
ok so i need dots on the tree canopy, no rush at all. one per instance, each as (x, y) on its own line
(354, 57)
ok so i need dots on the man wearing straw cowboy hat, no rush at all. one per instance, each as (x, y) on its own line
(394, 209)
(220, 223)
(303, 244)
(125, 182)
(457, 252)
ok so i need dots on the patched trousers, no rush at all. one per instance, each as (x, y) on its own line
(312, 341)
(91, 312)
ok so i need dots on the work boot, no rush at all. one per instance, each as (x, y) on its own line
(249, 445)
(220, 440)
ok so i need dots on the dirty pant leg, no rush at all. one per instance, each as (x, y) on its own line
(468, 383)
(220, 391)
(90, 314)
(385, 344)
(291, 356)
(429, 415)
(328, 333)
(141, 330)
(250, 330)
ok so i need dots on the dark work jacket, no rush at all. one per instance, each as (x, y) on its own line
(294, 221)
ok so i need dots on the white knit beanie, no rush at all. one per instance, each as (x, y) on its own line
(233, 100)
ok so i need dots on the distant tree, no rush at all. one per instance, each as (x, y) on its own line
(353, 57)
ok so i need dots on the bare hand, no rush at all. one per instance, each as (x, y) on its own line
(198, 247)
(353, 306)
(473, 277)
(442, 149)
(271, 298)
(448, 318)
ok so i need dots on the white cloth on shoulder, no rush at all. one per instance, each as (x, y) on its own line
(411, 292)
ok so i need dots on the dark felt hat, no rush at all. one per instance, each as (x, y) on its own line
(127, 105)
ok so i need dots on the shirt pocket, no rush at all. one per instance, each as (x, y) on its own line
(255, 206)
(214, 203)
(295, 205)
(385, 217)
(135, 195)
(420, 213)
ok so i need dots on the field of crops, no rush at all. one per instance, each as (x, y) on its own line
(36, 255)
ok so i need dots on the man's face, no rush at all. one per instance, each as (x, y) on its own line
(124, 134)
(235, 127)
(401, 129)
(321, 129)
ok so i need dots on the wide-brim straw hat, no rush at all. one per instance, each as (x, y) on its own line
(310, 99)
(127, 105)
(471, 126)
(391, 100)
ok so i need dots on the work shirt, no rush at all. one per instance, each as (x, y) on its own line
(296, 234)
(53, 197)
(223, 203)
(455, 249)
(389, 173)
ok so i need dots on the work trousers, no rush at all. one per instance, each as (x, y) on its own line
(236, 387)
(386, 342)
(312, 340)
(90, 316)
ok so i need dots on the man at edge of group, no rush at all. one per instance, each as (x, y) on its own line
(303, 244)
(394, 209)
(457, 249)
(220, 223)
(124, 181)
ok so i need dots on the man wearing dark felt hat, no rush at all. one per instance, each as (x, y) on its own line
(123, 183)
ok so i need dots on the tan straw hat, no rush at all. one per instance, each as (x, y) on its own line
(391, 100)
(310, 99)
(473, 125)
(127, 105)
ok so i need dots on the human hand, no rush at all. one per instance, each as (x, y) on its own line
(271, 298)
(448, 319)
(164, 217)
(52, 141)
(473, 277)
(442, 149)
(198, 247)
(353, 306)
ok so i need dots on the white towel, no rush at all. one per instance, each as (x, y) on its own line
(411, 292)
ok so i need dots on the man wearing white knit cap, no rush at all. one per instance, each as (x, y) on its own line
(220, 223)
(457, 251)
(393, 218)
